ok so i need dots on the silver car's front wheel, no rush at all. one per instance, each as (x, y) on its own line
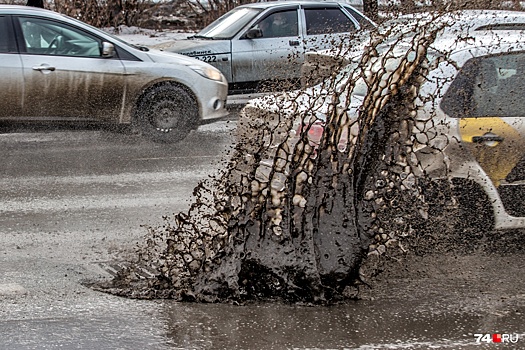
(167, 113)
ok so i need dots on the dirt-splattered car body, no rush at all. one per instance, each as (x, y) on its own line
(246, 46)
(320, 64)
(58, 68)
(467, 127)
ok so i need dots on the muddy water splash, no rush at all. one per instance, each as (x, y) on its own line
(293, 216)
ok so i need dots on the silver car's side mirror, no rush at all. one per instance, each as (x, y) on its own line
(253, 33)
(108, 50)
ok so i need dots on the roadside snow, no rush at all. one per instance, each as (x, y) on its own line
(147, 37)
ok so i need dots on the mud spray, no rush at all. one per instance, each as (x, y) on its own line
(299, 217)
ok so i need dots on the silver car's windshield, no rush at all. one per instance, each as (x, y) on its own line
(226, 26)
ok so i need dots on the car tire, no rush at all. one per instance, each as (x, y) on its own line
(460, 216)
(475, 212)
(167, 113)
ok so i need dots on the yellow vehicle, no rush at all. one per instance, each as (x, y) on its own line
(485, 109)
(469, 127)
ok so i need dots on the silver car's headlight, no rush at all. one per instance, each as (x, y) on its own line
(208, 72)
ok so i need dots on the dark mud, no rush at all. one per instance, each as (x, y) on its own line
(294, 221)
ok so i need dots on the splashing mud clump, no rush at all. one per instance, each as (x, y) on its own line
(320, 181)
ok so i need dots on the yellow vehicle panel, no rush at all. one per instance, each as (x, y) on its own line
(496, 145)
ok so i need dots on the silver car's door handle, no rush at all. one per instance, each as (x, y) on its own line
(44, 67)
(294, 43)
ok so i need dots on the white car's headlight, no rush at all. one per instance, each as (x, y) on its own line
(208, 72)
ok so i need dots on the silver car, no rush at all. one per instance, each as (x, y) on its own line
(57, 68)
(261, 42)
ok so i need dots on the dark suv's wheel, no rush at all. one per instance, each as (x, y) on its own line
(167, 113)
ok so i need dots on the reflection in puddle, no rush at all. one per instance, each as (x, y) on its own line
(362, 325)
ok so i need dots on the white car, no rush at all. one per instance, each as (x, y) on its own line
(55, 68)
(266, 41)
(322, 63)
(468, 129)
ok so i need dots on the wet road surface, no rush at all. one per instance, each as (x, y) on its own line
(74, 202)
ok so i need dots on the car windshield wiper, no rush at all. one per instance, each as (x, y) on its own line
(141, 48)
(196, 36)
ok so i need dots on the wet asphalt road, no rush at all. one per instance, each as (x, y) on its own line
(75, 200)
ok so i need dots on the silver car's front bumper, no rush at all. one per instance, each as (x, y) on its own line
(212, 98)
